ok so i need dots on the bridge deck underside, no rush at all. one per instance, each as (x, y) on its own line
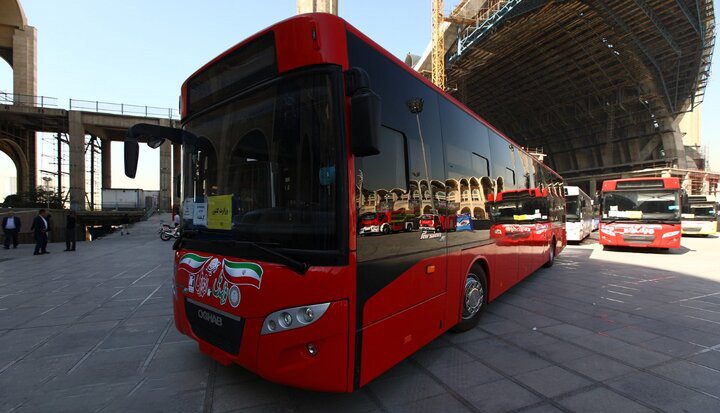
(598, 84)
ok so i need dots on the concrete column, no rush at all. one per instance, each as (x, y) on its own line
(165, 177)
(317, 6)
(672, 143)
(176, 173)
(25, 63)
(77, 161)
(106, 155)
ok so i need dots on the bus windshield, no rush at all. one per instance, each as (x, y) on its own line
(641, 205)
(573, 207)
(706, 211)
(266, 172)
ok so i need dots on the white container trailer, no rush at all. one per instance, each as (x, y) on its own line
(122, 199)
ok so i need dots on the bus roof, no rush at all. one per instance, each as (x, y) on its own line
(574, 191)
(641, 183)
(288, 30)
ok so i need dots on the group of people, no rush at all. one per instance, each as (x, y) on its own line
(11, 225)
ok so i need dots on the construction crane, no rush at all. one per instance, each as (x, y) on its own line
(438, 44)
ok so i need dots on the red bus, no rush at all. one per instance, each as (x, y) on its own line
(288, 139)
(528, 219)
(641, 212)
(438, 222)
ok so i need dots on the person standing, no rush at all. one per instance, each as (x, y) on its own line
(125, 224)
(40, 228)
(11, 225)
(70, 222)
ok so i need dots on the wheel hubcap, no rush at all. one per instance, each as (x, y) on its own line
(474, 297)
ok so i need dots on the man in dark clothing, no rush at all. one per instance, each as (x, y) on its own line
(40, 228)
(11, 225)
(70, 231)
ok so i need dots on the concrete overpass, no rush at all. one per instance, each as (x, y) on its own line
(23, 113)
(601, 86)
(19, 121)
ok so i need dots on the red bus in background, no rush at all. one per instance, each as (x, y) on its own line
(438, 223)
(528, 217)
(641, 212)
(376, 223)
(288, 139)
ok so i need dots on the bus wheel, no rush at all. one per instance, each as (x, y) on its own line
(408, 227)
(474, 300)
(386, 229)
(551, 255)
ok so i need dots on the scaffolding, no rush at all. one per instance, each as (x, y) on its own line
(598, 84)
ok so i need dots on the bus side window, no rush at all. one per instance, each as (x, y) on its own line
(384, 173)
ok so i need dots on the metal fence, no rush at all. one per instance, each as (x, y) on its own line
(27, 100)
(89, 106)
(123, 109)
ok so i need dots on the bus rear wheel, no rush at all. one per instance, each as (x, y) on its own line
(474, 300)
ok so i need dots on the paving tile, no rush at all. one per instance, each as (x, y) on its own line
(552, 381)
(566, 331)
(692, 375)
(499, 396)
(628, 353)
(631, 334)
(541, 408)
(598, 367)
(467, 336)
(663, 394)
(439, 403)
(671, 346)
(601, 400)
(559, 352)
(404, 389)
(316, 402)
(465, 375)
(709, 359)
(441, 357)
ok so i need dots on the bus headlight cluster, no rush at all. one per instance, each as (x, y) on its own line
(291, 318)
(671, 234)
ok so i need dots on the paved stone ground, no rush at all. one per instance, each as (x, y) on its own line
(601, 331)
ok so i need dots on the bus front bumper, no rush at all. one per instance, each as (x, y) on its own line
(699, 227)
(313, 357)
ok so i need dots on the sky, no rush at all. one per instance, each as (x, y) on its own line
(139, 52)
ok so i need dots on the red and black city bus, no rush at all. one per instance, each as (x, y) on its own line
(288, 139)
(641, 212)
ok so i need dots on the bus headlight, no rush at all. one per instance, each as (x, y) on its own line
(291, 318)
(671, 234)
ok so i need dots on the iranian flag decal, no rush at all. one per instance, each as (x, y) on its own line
(192, 262)
(243, 273)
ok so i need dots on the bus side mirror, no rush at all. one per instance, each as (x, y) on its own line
(132, 150)
(365, 114)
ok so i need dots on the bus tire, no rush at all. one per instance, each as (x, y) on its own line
(551, 255)
(386, 229)
(474, 300)
(408, 227)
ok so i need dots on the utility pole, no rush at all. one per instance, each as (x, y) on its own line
(92, 172)
(438, 44)
(59, 166)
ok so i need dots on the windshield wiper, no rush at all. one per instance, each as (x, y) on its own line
(295, 265)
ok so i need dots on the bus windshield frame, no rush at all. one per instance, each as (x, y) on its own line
(635, 205)
(274, 162)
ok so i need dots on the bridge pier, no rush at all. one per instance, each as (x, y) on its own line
(77, 161)
(176, 173)
(106, 158)
(165, 177)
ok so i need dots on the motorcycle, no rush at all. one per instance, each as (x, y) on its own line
(167, 232)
